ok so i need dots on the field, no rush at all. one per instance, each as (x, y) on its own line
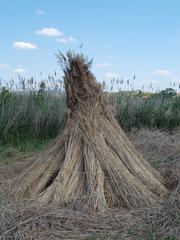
(29, 220)
(30, 120)
(90, 120)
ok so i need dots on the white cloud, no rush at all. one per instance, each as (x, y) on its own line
(163, 72)
(66, 40)
(103, 65)
(50, 32)
(24, 45)
(62, 40)
(4, 66)
(19, 70)
(71, 39)
(112, 75)
(40, 12)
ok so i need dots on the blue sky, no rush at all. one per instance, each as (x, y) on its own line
(125, 37)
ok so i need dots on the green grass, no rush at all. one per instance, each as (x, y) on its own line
(26, 117)
(30, 118)
(153, 112)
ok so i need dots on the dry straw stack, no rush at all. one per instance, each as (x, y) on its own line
(91, 163)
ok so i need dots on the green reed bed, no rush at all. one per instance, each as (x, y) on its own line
(36, 116)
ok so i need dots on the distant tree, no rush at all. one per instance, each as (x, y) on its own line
(167, 93)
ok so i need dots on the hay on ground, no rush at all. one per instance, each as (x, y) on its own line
(92, 163)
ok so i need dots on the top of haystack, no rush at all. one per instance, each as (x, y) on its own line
(80, 83)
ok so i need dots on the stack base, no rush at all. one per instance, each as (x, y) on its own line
(92, 164)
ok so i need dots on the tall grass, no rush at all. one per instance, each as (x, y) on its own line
(30, 116)
(152, 112)
(36, 115)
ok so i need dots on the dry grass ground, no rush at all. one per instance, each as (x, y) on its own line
(30, 220)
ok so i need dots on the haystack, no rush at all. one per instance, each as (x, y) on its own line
(91, 163)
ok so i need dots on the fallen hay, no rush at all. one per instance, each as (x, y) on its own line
(92, 164)
(27, 220)
(32, 220)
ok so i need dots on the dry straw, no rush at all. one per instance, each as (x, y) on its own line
(91, 163)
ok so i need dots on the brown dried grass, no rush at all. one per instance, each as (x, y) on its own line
(92, 164)
(32, 220)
